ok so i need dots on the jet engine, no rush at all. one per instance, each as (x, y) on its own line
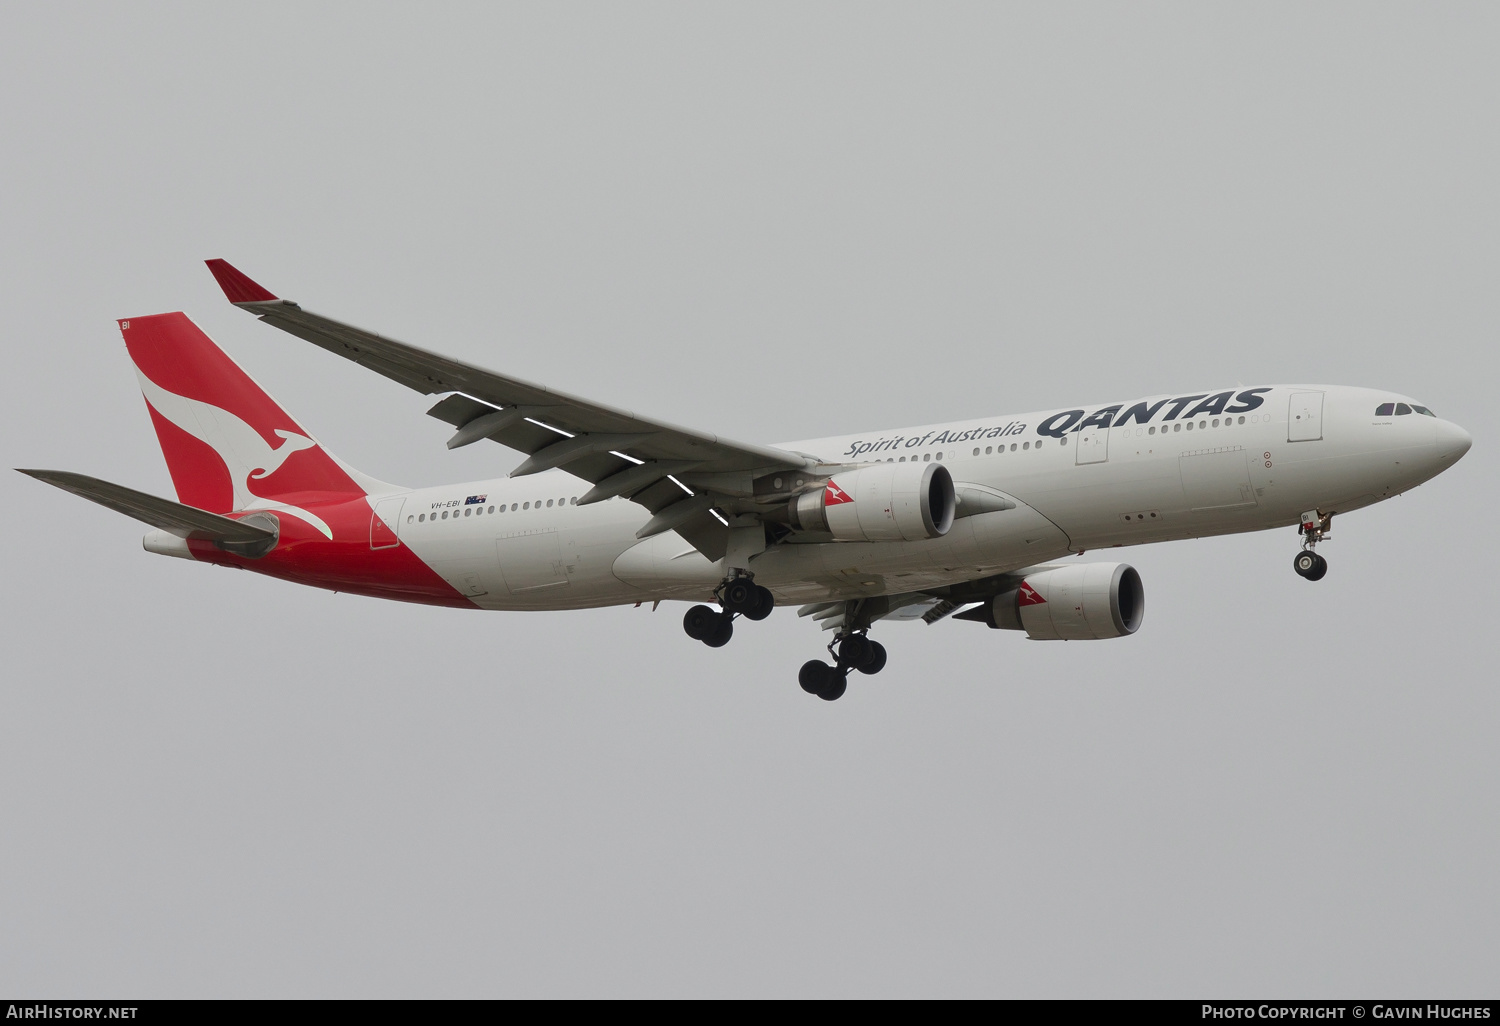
(1082, 602)
(882, 502)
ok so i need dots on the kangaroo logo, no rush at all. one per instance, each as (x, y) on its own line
(245, 453)
(1029, 596)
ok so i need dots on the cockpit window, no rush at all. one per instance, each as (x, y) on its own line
(1401, 410)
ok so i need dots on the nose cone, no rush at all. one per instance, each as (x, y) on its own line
(1451, 442)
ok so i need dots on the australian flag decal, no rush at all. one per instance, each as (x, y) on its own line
(474, 500)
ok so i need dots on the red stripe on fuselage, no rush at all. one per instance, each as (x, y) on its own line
(347, 563)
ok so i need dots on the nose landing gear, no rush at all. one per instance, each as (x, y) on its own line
(1315, 527)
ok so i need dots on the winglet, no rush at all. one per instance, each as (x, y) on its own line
(237, 287)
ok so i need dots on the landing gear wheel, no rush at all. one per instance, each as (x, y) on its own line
(764, 603)
(700, 622)
(1310, 565)
(856, 651)
(741, 595)
(838, 683)
(876, 662)
(723, 631)
(814, 676)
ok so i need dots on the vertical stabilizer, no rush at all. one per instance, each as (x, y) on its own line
(229, 446)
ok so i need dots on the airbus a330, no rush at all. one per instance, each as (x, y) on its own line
(976, 519)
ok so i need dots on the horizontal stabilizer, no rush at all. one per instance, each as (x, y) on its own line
(164, 514)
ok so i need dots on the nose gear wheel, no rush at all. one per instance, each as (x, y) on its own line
(1315, 526)
(1310, 565)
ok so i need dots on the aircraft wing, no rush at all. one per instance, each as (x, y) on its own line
(620, 452)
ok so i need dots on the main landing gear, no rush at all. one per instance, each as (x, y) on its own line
(851, 651)
(1315, 527)
(738, 596)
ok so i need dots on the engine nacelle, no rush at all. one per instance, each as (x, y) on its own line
(883, 502)
(1083, 602)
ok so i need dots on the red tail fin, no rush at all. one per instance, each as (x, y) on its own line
(228, 445)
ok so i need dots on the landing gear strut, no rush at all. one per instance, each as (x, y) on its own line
(1315, 527)
(739, 596)
(852, 650)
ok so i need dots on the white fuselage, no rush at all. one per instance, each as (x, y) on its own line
(1076, 485)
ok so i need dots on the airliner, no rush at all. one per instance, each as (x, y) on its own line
(977, 520)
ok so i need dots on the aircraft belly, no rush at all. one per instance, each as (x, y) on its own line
(976, 546)
(667, 563)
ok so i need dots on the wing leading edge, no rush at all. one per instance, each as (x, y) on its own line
(621, 453)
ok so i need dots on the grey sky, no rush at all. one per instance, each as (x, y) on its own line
(771, 222)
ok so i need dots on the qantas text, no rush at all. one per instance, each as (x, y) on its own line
(1067, 421)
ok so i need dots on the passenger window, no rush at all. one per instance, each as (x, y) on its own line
(1026, 445)
(939, 455)
(445, 514)
(422, 519)
(989, 450)
(1190, 425)
(1402, 409)
(525, 505)
(1242, 420)
(467, 511)
(513, 507)
(1385, 409)
(901, 460)
(1151, 430)
(927, 457)
(976, 450)
(1012, 446)
(492, 508)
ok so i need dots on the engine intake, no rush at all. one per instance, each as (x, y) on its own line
(883, 502)
(1083, 602)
